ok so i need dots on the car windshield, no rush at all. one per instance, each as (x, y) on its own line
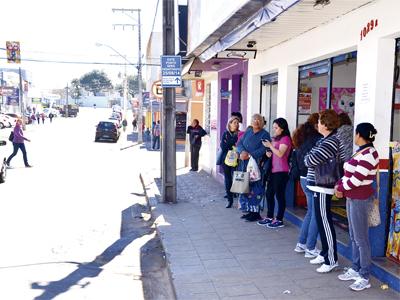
(107, 125)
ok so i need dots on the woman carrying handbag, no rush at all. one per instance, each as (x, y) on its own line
(356, 186)
(322, 162)
(228, 141)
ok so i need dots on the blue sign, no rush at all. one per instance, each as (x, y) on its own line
(171, 66)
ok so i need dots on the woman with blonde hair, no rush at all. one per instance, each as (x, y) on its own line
(228, 141)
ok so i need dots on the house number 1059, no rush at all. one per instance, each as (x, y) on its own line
(369, 27)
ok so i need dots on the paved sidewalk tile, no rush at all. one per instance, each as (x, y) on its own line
(213, 254)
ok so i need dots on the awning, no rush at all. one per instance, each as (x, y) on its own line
(265, 15)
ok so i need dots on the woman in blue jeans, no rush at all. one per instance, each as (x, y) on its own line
(304, 139)
(18, 143)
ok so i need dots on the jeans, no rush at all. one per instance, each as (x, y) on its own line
(276, 186)
(16, 147)
(228, 172)
(156, 141)
(309, 228)
(357, 214)
(194, 156)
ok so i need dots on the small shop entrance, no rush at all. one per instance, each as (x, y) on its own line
(327, 84)
(269, 98)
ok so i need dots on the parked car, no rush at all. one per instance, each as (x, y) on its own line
(3, 166)
(5, 121)
(107, 130)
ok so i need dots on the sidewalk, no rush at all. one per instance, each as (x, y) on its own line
(213, 254)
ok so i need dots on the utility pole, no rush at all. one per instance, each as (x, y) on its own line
(168, 107)
(21, 98)
(139, 66)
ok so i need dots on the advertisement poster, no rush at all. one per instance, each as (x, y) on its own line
(393, 245)
(342, 100)
(305, 103)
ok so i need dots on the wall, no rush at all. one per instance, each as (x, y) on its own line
(374, 64)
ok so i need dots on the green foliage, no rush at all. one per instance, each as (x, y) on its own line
(95, 81)
(76, 90)
(133, 88)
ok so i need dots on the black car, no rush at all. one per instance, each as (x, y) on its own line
(106, 130)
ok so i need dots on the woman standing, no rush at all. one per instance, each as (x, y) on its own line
(345, 134)
(304, 139)
(196, 132)
(328, 148)
(228, 140)
(250, 145)
(18, 143)
(356, 186)
(279, 149)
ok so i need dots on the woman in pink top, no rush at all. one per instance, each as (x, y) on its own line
(279, 149)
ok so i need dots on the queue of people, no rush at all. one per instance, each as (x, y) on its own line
(319, 154)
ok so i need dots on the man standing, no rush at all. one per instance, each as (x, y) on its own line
(196, 132)
(156, 136)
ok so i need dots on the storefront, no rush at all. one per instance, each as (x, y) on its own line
(269, 98)
(393, 242)
(327, 84)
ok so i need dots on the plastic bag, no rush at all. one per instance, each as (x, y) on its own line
(253, 170)
(231, 158)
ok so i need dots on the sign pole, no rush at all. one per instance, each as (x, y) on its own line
(168, 108)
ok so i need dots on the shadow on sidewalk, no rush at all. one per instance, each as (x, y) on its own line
(132, 228)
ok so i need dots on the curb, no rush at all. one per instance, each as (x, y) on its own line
(151, 201)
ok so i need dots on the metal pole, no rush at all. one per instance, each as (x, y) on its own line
(66, 103)
(21, 98)
(140, 97)
(125, 93)
(168, 117)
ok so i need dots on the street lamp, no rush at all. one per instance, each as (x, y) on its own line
(126, 77)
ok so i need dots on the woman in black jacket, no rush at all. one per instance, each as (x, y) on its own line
(228, 141)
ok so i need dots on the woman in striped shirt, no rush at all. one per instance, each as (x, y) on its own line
(326, 149)
(356, 186)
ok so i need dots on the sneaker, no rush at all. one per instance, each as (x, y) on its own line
(276, 224)
(253, 217)
(300, 248)
(349, 275)
(311, 253)
(244, 216)
(265, 221)
(318, 260)
(28, 166)
(360, 284)
(327, 268)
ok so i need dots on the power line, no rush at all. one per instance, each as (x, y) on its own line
(81, 62)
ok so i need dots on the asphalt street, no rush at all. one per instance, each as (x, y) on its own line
(62, 221)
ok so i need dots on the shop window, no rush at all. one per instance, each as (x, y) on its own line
(396, 98)
(269, 98)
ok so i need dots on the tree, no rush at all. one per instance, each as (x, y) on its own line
(95, 82)
(76, 92)
(133, 88)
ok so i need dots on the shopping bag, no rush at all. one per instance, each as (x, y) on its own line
(231, 158)
(253, 170)
(240, 182)
(374, 216)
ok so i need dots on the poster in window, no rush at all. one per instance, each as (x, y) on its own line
(305, 103)
(343, 100)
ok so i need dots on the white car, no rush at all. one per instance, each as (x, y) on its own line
(5, 121)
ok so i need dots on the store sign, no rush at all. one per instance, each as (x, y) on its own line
(7, 91)
(171, 66)
(14, 98)
(13, 52)
(244, 54)
(368, 28)
(199, 88)
(157, 90)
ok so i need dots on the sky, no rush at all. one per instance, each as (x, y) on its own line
(68, 30)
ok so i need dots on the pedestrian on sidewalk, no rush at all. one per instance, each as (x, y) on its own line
(43, 116)
(38, 117)
(250, 145)
(327, 149)
(304, 139)
(124, 124)
(18, 143)
(228, 141)
(279, 150)
(345, 135)
(156, 136)
(356, 186)
(51, 116)
(134, 124)
(196, 132)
